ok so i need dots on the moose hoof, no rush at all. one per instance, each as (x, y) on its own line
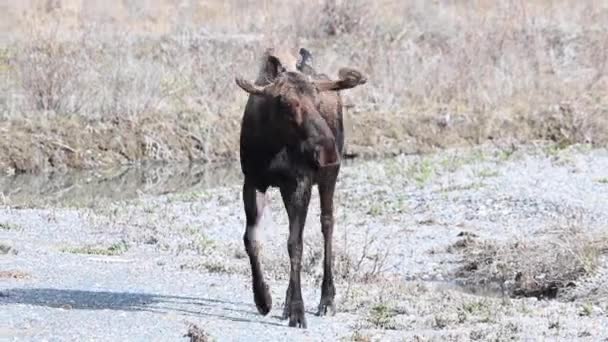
(297, 317)
(326, 308)
(263, 300)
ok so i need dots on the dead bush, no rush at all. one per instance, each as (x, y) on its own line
(51, 73)
(363, 261)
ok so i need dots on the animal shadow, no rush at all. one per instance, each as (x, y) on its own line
(72, 299)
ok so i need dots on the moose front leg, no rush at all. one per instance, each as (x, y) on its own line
(254, 202)
(296, 199)
(287, 299)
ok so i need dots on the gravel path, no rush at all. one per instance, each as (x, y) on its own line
(143, 269)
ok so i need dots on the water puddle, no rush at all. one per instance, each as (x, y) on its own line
(84, 188)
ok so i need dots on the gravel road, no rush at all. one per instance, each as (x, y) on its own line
(146, 268)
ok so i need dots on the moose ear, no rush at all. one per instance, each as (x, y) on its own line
(305, 59)
(305, 62)
(306, 55)
(272, 65)
(348, 78)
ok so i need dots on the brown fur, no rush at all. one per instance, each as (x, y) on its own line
(292, 137)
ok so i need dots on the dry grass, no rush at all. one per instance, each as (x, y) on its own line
(440, 74)
(533, 267)
(9, 226)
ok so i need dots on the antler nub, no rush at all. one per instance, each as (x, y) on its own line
(249, 87)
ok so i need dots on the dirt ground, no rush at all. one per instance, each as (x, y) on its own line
(466, 244)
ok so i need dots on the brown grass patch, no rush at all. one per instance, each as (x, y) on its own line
(74, 142)
(541, 267)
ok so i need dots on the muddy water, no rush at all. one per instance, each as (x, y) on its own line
(92, 187)
(85, 188)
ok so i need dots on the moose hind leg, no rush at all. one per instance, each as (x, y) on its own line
(254, 202)
(328, 291)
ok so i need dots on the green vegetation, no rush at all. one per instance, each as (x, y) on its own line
(421, 172)
(482, 310)
(381, 316)
(586, 309)
(487, 173)
(9, 226)
(114, 249)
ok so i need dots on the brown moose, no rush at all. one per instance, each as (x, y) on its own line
(292, 137)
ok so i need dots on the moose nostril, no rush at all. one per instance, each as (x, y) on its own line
(329, 142)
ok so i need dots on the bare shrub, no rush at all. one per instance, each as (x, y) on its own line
(370, 263)
(363, 262)
(51, 73)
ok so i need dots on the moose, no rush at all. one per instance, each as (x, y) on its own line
(292, 137)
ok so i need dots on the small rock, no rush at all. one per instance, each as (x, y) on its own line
(6, 249)
(467, 234)
(196, 334)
